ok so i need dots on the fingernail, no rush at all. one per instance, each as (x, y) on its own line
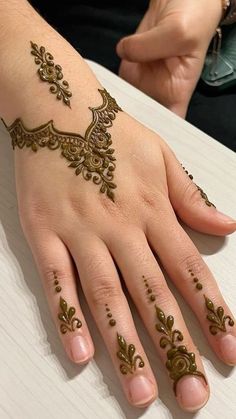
(141, 390)
(228, 349)
(79, 349)
(192, 394)
(225, 218)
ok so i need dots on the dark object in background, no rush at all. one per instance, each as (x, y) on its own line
(94, 29)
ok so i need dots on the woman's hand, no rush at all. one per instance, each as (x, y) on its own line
(166, 55)
(76, 232)
(67, 221)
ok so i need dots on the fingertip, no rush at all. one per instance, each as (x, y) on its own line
(120, 48)
(80, 349)
(141, 391)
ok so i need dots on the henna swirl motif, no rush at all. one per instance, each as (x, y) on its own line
(69, 322)
(126, 355)
(51, 73)
(91, 155)
(179, 362)
(217, 318)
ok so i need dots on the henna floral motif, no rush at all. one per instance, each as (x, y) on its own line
(69, 322)
(126, 355)
(51, 73)
(91, 155)
(217, 318)
(180, 362)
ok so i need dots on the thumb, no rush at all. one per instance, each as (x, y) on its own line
(161, 42)
(191, 203)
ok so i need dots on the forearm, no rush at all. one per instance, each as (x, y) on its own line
(22, 92)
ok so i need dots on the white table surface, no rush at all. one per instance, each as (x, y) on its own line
(37, 381)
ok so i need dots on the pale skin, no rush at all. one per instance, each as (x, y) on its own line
(66, 220)
(166, 55)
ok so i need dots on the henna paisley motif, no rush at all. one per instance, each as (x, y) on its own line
(126, 354)
(179, 362)
(51, 73)
(91, 155)
(69, 322)
(217, 317)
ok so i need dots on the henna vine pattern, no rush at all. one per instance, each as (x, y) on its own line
(180, 362)
(51, 73)
(70, 323)
(217, 318)
(90, 155)
(126, 355)
(203, 194)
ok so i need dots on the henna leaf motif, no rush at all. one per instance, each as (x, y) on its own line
(217, 317)
(179, 362)
(69, 323)
(126, 355)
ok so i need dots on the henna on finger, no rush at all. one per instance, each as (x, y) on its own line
(217, 317)
(203, 194)
(69, 323)
(180, 362)
(126, 354)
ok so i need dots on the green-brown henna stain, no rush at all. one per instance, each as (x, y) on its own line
(149, 291)
(91, 155)
(58, 289)
(112, 322)
(51, 73)
(66, 316)
(126, 354)
(198, 285)
(179, 362)
(217, 317)
(203, 194)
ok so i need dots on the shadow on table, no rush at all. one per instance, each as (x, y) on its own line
(31, 283)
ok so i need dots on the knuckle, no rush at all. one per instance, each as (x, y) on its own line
(33, 212)
(184, 32)
(192, 262)
(102, 289)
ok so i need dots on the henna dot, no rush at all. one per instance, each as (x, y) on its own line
(58, 289)
(152, 298)
(231, 322)
(195, 279)
(112, 322)
(107, 309)
(143, 276)
(192, 274)
(109, 315)
(199, 286)
(79, 324)
(149, 291)
(56, 282)
(190, 270)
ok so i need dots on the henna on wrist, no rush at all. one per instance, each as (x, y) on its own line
(91, 155)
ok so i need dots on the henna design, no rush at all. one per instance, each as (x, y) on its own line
(112, 321)
(51, 73)
(56, 282)
(90, 155)
(180, 362)
(217, 317)
(150, 294)
(126, 355)
(199, 286)
(203, 194)
(70, 323)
